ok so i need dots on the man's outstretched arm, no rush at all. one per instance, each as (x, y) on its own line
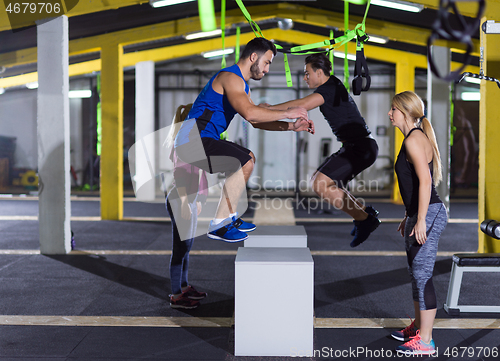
(300, 125)
(233, 87)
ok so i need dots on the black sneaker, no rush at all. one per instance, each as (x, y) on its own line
(369, 210)
(363, 229)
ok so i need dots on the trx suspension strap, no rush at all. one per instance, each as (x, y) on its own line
(237, 45)
(223, 135)
(362, 80)
(443, 30)
(358, 32)
(346, 61)
(330, 52)
(207, 15)
(223, 32)
(453, 129)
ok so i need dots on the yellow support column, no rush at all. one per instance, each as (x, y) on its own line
(405, 80)
(112, 132)
(489, 134)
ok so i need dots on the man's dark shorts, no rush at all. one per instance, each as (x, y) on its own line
(353, 158)
(221, 156)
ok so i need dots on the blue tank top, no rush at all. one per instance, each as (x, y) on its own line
(212, 110)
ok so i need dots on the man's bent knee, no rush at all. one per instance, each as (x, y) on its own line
(253, 156)
(248, 167)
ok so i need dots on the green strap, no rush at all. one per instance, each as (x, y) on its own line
(302, 48)
(332, 43)
(346, 61)
(288, 74)
(207, 15)
(223, 32)
(366, 13)
(305, 49)
(237, 45)
(253, 24)
(453, 129)
(330, 53)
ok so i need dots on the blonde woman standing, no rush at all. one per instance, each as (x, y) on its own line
(418, 168)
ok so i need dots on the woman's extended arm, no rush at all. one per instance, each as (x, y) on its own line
(309, 102)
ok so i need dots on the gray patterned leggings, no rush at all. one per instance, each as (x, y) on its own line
(421, 258)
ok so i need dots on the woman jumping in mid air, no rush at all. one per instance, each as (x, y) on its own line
(359, 150)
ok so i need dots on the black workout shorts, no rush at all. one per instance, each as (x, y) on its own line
(219, 156)
(353, 158)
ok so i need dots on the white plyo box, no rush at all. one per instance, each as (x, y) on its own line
(267, 324)
(277, 236)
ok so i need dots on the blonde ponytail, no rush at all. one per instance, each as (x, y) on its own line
(437, 174)
(180, 115)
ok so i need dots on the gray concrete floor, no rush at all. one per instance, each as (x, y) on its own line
(131, 285)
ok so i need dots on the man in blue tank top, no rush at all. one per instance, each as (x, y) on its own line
(198, 141)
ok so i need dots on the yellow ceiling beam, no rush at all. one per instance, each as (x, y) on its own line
(18, 57)
(467, 8)
(86, 67)
(181, 27)
(81, 8)
(185, 50)
(18, 80)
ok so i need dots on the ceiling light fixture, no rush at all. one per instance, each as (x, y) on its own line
(33, 85)
(341, 55)
(215, 53)
(80, 94)
(203, 34)
(399, 5)
(378, 39)
(468, 79)
(471, 96)
(161, 3)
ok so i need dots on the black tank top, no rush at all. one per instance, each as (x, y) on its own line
(408, 181)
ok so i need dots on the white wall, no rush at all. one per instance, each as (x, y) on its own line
(18, 119)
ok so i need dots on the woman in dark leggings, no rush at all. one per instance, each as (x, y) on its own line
(418, 168)
(359, 150)
(183, 204)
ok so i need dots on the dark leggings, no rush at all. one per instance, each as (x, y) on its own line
(421, 258)
(179, 260)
